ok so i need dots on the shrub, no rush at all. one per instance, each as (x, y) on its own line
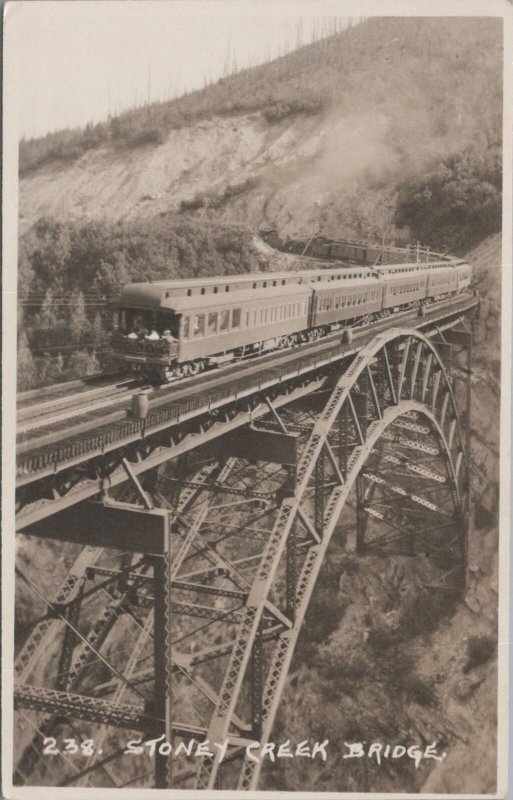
(480, 649)
(460, 203)
(283, 109)
(146, 136)
(198, 201)
(418, 689)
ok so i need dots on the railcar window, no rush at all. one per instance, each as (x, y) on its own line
(185, 327)
(224, 320)
(247, 318)
(216, 289)
(227, 288)
(212, 323)
(236, 318)
(274, 283)
(202, 290)
(254, 286)
(199, 325)
(189, 292)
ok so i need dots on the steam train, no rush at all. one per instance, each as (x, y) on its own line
(170, 329)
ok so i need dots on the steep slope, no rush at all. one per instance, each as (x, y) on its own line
(324, 134)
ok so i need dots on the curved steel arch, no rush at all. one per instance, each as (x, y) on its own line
(285, 649)
(403, 377)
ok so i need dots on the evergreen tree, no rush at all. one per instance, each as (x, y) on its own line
(26, 364)
(97, 331)
(47, 316)
(82, 363)
(77, 322)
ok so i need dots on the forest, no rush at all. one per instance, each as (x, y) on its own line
(70, 274)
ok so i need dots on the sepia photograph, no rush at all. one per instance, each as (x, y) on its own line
(256, 408)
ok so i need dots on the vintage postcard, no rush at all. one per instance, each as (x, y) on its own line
(256, 398)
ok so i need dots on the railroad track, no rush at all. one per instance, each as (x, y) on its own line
(36, 414)
(32, 397)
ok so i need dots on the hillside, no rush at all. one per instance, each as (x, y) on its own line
(342, 123)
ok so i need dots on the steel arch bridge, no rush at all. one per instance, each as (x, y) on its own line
(211, 606)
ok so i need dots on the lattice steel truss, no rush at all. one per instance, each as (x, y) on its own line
(195, 642)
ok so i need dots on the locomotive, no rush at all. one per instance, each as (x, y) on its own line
(167, 330)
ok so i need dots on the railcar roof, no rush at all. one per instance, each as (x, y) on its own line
(414, 267)
(249, 277)
(332, 286)
(219, 280)
(149, 295)
(158, 290)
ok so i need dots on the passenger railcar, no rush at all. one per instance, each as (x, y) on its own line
(170, 329)
(347, 299)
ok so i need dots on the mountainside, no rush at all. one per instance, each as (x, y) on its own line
(327, 135)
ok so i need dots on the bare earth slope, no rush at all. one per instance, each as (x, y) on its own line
(325, 133)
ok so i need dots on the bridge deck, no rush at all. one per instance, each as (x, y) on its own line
(98, 433)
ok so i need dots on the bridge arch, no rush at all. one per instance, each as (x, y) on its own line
(399, 375)
(379, 428)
